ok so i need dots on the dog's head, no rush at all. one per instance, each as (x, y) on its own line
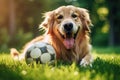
(66, 22)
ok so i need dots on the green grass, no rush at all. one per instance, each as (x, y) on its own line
(106, 66)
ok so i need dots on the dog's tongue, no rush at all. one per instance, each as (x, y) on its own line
(69, 42)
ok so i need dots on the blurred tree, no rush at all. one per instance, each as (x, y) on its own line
(12, 26)
(114, 20)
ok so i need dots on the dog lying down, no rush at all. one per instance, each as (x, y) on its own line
(67, 30)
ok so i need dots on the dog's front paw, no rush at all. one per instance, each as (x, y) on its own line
(85, 62)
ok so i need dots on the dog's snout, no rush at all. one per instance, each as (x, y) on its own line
(68, 27)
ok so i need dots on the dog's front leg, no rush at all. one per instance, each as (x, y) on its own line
(87, 60)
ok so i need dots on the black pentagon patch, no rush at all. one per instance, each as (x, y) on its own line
(52, 56)
(28, 55)
(37, 60)
(43, 49)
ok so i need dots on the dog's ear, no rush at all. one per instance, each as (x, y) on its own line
(85, 19)
(48, 22)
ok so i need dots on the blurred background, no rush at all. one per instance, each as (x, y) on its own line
(20, 19)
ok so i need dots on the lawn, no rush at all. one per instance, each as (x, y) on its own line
(106, 66)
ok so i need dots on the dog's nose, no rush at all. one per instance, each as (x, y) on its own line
(68, 27)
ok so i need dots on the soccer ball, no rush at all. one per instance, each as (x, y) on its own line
(40, 52)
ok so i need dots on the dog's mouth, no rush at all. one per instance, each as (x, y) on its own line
(69, 39)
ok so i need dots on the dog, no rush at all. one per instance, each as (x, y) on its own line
(67, 30)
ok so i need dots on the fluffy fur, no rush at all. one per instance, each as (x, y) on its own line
(72, 47)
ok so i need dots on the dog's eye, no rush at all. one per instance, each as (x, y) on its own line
(60, 17)
(74, 15)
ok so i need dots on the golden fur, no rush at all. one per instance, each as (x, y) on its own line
(79, 50)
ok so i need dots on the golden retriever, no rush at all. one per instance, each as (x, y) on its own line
(67, 30)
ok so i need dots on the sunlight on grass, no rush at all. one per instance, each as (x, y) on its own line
(106, 66)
